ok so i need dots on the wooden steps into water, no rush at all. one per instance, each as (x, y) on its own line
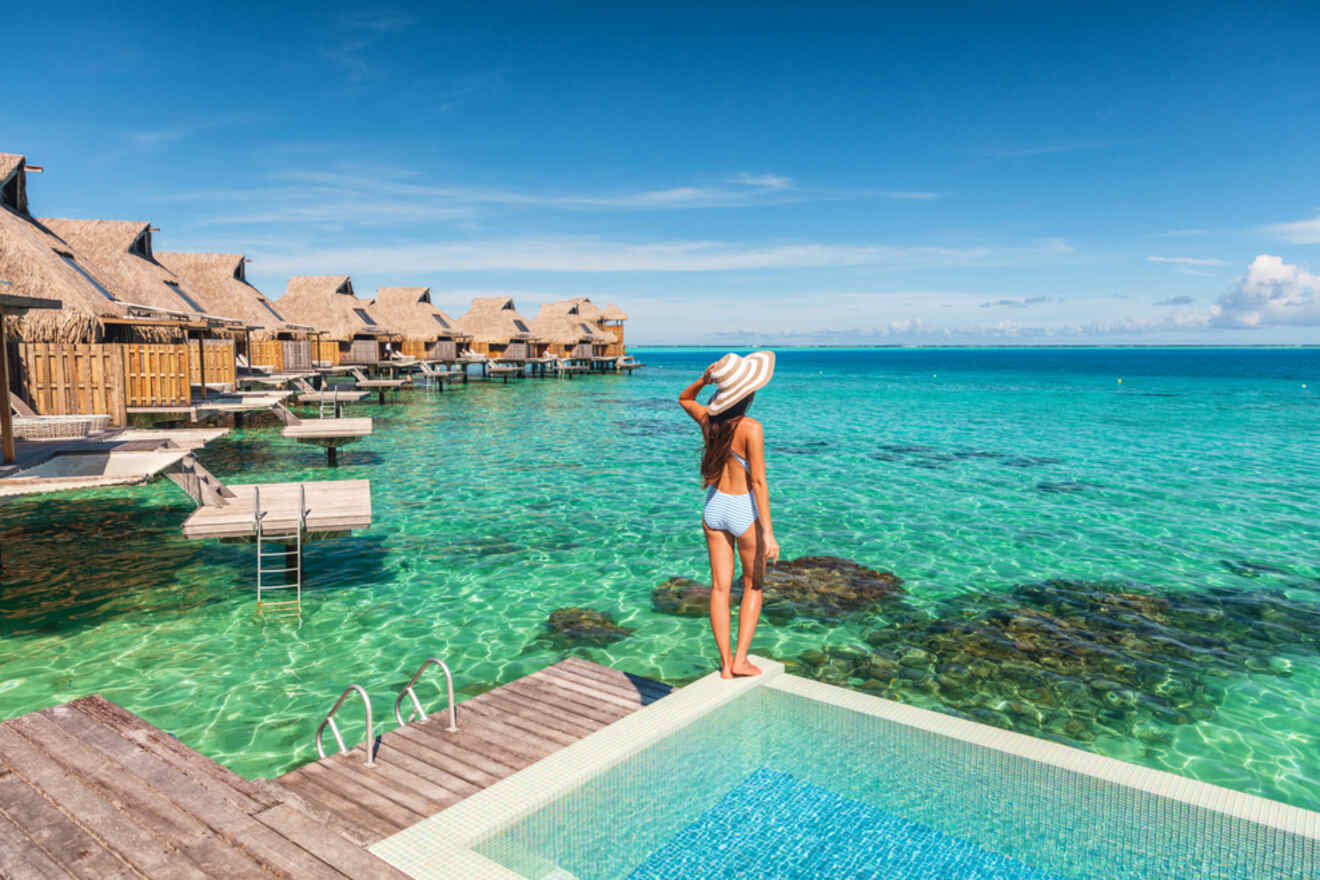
(422, 768)
(89, 790)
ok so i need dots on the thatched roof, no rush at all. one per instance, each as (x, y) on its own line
(570, 321)
(218, 283)
(328, 303)
(38, 263)
(409, 311)
(494, 319)
(613, 313)
(119, 253)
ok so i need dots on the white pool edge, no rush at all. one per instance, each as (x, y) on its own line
(441, 847)
(1161, 783)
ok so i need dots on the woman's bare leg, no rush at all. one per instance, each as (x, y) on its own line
(749, 612)
(720, 547)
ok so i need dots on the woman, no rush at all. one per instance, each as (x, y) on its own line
(737, 508)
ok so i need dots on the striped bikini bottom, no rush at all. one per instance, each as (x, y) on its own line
(730, 513)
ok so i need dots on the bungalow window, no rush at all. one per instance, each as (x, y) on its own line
(366, 319)
(9, 194)
(68, 258)
(585, 328)
(141, 245)
(441, 321)
(521, 326)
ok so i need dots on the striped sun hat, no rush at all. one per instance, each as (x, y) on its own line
(736, 377)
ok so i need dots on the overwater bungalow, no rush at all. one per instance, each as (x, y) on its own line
(607, 322)
(100, 353)
(350, 335)
(120, 255)
(566, 334)
(428, 333)
(498, 331)
(218, 283)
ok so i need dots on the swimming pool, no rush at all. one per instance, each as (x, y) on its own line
(789, 778)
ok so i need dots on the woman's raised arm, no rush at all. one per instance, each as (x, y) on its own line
(687, 398)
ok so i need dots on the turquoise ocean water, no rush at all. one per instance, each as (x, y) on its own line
(967, 472)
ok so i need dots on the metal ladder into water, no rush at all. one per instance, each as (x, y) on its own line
(334, 403)
(264, 537)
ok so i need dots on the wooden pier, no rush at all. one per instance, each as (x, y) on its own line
(88, 789)
(334, 507)
(421, 768)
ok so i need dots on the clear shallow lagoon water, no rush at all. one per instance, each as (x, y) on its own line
(966, 472)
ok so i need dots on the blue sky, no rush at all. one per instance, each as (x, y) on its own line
(727, 174)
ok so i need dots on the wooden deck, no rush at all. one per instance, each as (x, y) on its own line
(334, 507)
(315, 398)
(421, 768)
(90, 790)
(314, 430)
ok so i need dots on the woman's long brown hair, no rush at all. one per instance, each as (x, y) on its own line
(719, 440)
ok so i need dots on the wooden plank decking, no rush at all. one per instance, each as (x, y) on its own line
(422, 769)
(328, 429)
(334, 507)
(90, 790)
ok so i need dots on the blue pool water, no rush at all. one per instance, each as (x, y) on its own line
(781, 782)
(975, 475)
(777, 827)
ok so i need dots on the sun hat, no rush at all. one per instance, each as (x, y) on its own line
(736, 377)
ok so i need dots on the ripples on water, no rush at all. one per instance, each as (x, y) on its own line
(968, 473)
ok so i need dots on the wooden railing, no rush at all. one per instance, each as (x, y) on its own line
(268, 353)
(72, 378)
(220, 368)
(156, 374)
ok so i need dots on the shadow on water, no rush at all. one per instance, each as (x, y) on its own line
(237, 456)
(55, 585)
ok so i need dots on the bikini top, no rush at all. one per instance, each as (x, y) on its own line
(742, 461)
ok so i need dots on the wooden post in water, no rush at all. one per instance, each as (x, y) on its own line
(201, 362)
(6, 421)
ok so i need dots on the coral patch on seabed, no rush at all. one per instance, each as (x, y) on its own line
(812, 586)
(1068, 660)
(569, 627)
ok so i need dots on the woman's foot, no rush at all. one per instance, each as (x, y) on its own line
(743, 667)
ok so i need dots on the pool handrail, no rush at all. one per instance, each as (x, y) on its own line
(334, 728)
(418, 711)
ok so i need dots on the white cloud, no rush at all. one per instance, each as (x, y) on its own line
(1018, 303)
(1188, 261)
(771, 181)
(1272, 293)
(596, 255)
(1299, 232)
(1182, 233)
